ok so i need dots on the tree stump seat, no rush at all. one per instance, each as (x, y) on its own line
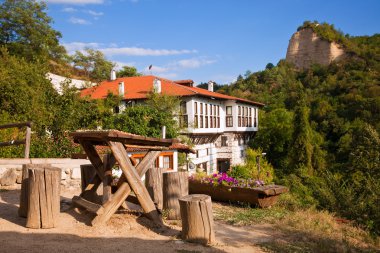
(197, 219)
(40, 195)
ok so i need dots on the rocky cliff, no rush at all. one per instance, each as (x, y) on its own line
(306, 48)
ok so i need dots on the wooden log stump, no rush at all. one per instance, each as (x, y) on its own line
(175, 186)
(23, 209)
(197, 219)
(153, 183)
(43, 197)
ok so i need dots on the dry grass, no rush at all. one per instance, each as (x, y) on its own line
(302, 230)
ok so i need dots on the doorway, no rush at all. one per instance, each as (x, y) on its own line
(223, 165)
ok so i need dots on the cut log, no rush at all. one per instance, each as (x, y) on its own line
(23, 209)
(153, 183)
(197, 220)
(43, 197)
(175, 186)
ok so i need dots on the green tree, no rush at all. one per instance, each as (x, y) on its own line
(275, 136)
(302, 149)
(128, 71)
(94, 64)
(25, 30)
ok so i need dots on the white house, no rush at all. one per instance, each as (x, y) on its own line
(219, 125)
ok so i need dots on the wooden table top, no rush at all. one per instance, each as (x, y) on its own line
(101, 137)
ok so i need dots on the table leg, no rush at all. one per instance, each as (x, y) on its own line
(124, 190)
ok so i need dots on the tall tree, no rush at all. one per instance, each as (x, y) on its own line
(128, 71)
(25, 30)
(94, 63)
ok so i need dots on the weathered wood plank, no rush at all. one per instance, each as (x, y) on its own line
(27, 141)
(175, 186)
(89, 206)
(13, 125)
(93, 156)
(153, 183)
(124, 190)
(135, 182)
(108, 161)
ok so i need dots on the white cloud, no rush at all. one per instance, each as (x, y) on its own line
(194, 63)
(94, 13)
(78, 2)
(120, 64)
(80, 46)
(157, 69)
(138, 51)
(69, 9)
(112, 49)
(79, 21)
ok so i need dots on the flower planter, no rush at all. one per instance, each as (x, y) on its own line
(263, 196)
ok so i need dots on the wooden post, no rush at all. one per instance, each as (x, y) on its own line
(108, 161)
(27, 141)
(153, 183)
(23, 209)
(43, 197)
(197, 220)
(175, 185)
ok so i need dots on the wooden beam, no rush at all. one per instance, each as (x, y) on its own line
(27, 141)
(13, 125)
(12, 143)
(89, 206)
(124, 190)
(108, 161)
(94, 157)
(135, 182)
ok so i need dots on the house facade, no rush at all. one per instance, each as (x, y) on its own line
(220, 126)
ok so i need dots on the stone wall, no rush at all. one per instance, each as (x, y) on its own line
(306, 48)
(11, 170)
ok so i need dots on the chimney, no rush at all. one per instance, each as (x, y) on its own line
(157, 85)
(210, 86)
(121, 89)
(113, 75)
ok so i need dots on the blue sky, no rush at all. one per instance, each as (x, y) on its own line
(200, 39)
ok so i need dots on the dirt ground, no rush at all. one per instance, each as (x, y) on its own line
(124, 232)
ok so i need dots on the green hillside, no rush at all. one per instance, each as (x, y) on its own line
(320, 127)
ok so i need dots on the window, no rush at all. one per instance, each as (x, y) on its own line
(255, 118)
(206, 118)
(250, 118)
(183, 122)
(208, 151)
(218, 113)
(201, 117)
(239, 116)
(229, 120)
(167, 159)
(224, 141)
(195, 115)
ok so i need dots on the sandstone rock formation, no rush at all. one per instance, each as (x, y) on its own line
(306, 48)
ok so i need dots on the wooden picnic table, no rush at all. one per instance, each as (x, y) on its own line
(130, 180)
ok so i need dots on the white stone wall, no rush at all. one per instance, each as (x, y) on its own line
(57, 80)
(11, 169)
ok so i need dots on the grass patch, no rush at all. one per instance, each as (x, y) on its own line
(245, 215)
(302, 230)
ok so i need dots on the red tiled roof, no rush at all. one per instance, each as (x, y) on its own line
(140, 86)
